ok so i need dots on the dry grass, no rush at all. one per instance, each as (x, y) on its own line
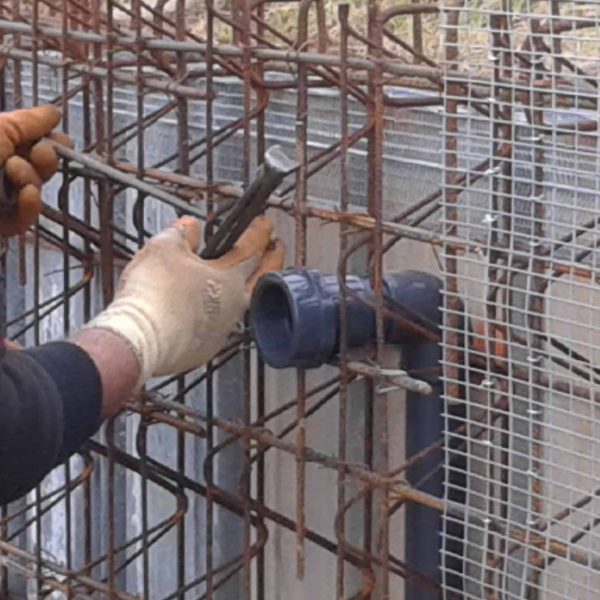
(474, 35)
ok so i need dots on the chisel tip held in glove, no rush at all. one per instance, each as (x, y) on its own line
(252, 203)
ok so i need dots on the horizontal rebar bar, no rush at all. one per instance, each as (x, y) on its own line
(151, 82)
(392, 66)
(95, 163)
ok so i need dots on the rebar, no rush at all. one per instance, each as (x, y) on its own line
(477, 157)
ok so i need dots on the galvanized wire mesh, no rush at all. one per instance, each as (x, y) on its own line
(521, 115)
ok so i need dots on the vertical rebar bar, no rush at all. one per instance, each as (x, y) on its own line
(246, 357)
(183, 167)
(343, 13)
(300, 198)
(210, 33)
(375, 206)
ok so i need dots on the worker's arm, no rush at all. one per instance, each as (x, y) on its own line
(172, 312)
(50, 400)
(53, 398)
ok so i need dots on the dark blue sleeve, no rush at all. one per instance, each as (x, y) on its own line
(50, 401)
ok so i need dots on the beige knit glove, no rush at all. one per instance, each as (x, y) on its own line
(177, 310)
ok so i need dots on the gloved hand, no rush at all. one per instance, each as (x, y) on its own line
(27, 163)
(176, 310)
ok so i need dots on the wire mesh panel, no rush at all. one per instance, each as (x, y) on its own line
(521, 191)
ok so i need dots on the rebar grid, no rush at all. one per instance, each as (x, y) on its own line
(485, 148)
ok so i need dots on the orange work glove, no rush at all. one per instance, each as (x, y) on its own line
(12, 345)
(26, 163)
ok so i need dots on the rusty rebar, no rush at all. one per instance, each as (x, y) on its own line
(158, 55)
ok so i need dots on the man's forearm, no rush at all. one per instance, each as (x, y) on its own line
(116, 363)
(50, 403)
